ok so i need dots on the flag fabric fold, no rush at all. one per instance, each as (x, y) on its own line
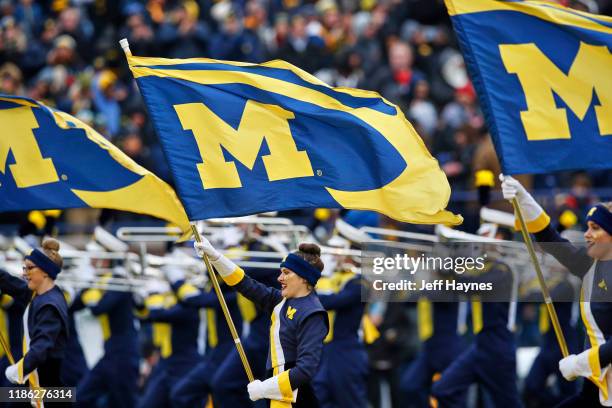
(52, 160)
(543, 74)
(244, 138)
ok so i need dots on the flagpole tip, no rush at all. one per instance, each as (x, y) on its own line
(125, 45)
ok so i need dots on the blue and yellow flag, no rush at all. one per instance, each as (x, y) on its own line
(243, 138)
(51, 160)
(543, 74)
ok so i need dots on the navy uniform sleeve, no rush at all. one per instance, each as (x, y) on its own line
(77, 303)
(263, 296)
(174, 314)
(310, 335)
(43, 337)
(107, 303)
(605, 354)
(347, 297)
(16, 287)
(575, 259)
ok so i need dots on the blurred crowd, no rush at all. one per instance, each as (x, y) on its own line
(66, 54)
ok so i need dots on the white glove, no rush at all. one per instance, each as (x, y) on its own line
(532, 211)
(204, 247)
(224, 266)
(256, 390)
(270, 389)
(574, 365)
(12, 374)
(512, 188)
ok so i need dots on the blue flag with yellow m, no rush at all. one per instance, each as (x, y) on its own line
(51, 160)
(543, 74)
(243, 139)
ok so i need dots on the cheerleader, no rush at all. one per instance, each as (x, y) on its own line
(298, 323)
(593, 265)
(45, 319)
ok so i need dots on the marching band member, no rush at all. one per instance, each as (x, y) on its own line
(74, 366)
(482, 361)
(593, 265)
(230, 381)
(115, 376)
(439, 327)
(342, 378)
(11, 317)
(45, 320)
(11, 321)
(196, 385)
(299, 323)
(175, 329)
(536, 392)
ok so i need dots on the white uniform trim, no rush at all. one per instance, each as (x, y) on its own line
(33, 376)
(277, 354)
(596, 336)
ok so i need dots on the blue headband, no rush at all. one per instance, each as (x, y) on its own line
(601, 216)
(44, 262)
(302, 268)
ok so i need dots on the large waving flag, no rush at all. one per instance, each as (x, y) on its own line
(52, 160)
(544, 78)
(243, 138)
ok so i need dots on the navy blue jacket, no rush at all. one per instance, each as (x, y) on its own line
(176, 327)
(493, 315)
(579, 263)
(346, 306)
(216, 327)
(299, 326)
(115, 314)
(47, 327)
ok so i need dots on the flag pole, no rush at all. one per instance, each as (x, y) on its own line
(547, 299)
(7, 349)
(125, 45)
(228, 317)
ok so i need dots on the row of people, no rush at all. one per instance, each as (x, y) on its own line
(182, 377)
(294, 333)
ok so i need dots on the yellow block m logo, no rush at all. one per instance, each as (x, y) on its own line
(30, 168)
(259, 121)
(540, 77)
(290, 312)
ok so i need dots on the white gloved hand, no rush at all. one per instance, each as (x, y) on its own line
(270, 389)
(512, 188)
(256, 390)
(12, 374)
(574, 365)
(224, 266)
(204, 247)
